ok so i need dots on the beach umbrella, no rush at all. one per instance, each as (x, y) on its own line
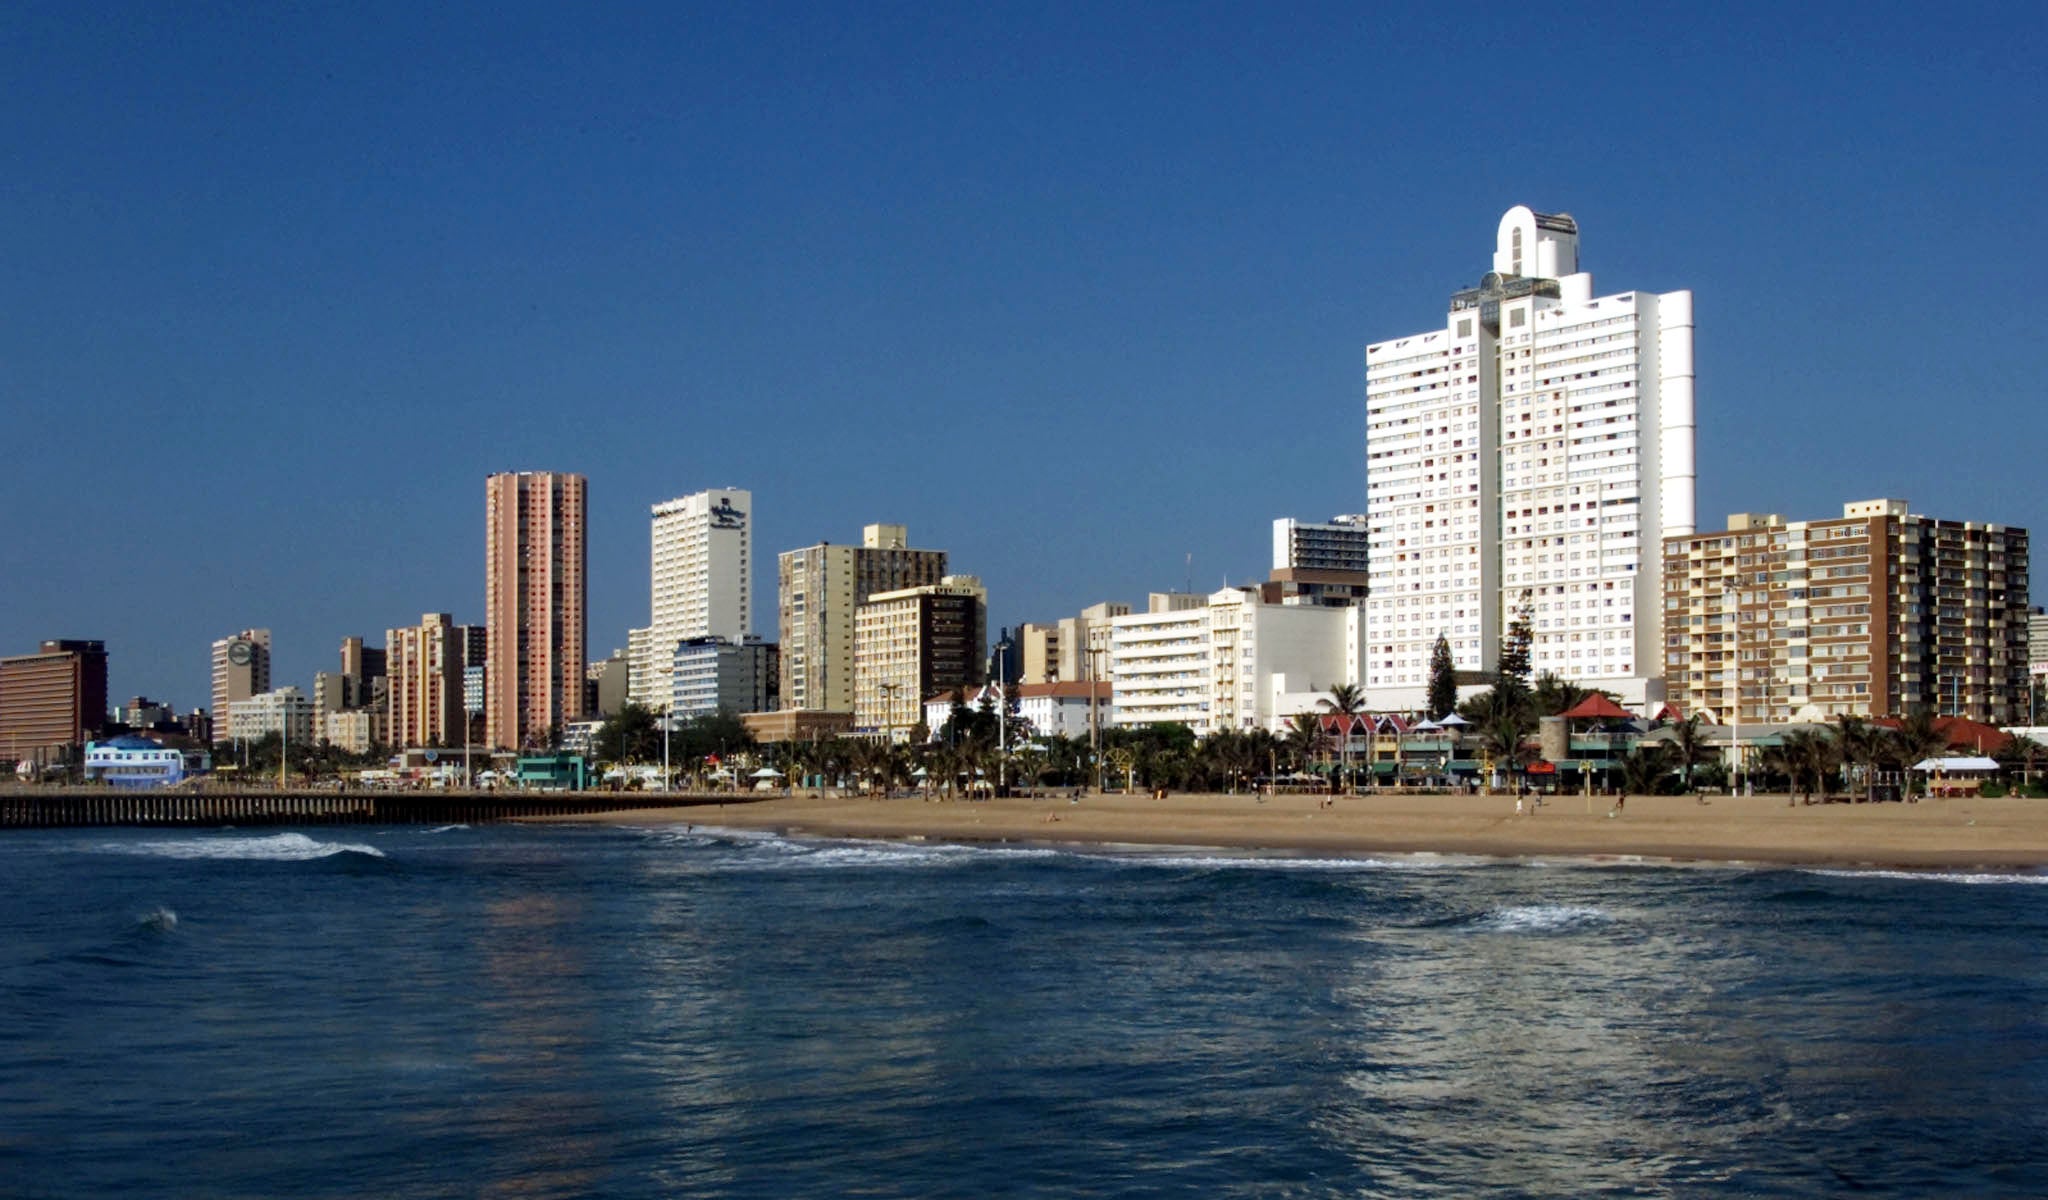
(1450, 720)
(1424, 726)
(766, 773)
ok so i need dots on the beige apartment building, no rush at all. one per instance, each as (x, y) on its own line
(424, 666)
(913, 643)
(534, 603)
(1877, 613)
(818, 588)
(241, 669)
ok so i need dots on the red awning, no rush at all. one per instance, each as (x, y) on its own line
(1540, 767)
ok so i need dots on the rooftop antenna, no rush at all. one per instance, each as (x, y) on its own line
(1190, 587)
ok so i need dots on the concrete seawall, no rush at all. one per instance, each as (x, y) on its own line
(57, 807)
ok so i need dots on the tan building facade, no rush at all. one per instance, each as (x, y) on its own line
(534, 602)
(1877, 613)
(911, 643)
(818, 589)
(424, 665)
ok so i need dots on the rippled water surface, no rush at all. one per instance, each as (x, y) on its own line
(615, 1012)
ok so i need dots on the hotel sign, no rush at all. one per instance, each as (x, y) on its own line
(725, 516)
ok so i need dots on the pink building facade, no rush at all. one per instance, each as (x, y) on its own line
(534, 604)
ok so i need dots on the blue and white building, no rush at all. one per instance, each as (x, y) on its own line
(134, 762)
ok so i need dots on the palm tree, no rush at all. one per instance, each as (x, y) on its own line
(1553, 695)
(1642, 766)
(2023, 750)
(1917, 738)
(1346, 700)
(1503, 732)
(1862, 745)
(1305, 738)
(1806, 756)
(1686, 740)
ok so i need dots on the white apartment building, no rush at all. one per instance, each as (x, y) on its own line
(1233, 663)
(1341, 543)
(702, 568)
(287, 710)
(1537, 447)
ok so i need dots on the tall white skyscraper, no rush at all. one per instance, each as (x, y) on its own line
(703, 562)
(1536, 448)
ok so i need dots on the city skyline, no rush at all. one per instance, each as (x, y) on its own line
(1074, 297)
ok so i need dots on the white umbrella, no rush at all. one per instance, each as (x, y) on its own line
(1452, 719)
(1424, 726)
(766, 773)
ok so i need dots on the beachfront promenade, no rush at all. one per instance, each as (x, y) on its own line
(60, 807)
(1972, 832)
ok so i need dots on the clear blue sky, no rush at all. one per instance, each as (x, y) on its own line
(1072, 291)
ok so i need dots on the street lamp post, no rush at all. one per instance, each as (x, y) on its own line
(1734, 614)
(1002, 720)
(667, 722)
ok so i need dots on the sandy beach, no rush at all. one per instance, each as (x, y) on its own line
(1952, 833)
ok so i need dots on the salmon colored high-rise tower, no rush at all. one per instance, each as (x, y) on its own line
(534, 603)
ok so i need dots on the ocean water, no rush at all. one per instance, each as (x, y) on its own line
(572, 1011)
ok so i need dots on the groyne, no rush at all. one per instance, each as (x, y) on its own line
(60, 807)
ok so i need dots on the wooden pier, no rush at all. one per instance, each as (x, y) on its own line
(61, 807)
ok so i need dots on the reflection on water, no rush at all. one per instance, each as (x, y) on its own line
(562, 1012)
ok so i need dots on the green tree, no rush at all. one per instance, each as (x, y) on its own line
(1443, 679)
(629, 736)
(1512, 674)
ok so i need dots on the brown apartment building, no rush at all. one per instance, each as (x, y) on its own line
(53, 701)
(1877, 613)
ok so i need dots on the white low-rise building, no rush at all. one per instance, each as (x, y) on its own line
(1049, 709)
(1234, 663)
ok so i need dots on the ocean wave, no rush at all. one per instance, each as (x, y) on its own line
(1540, 918)
(277, 847)
(446, 828)
(158, 920)
(1975, 877)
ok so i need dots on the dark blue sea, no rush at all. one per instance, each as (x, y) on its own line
(575, 1011)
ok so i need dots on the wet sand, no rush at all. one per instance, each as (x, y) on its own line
(1947, 833)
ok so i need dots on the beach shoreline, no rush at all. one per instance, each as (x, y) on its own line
(1969, 834)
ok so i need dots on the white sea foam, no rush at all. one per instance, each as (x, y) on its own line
(1281, 862)
(1540, 918)
(446, 828)
(1977, 877)
(278, 847)
(159, 919)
